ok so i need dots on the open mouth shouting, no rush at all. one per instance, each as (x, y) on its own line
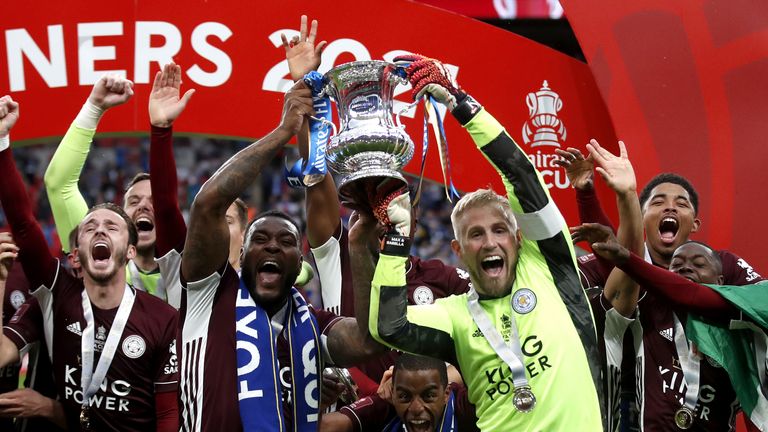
(419, 425)
(144, 224)
(668, 228)
(493, 265)
(269, 273)
(101, 253)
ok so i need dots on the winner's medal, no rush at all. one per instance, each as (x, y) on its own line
(85, 418)
(684, 418)
(524, 399)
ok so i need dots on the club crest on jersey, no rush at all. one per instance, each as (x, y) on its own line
(523, 301)
(17, 299)
(134, 346)
(423, 295)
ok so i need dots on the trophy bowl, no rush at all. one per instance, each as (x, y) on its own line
(369, 147)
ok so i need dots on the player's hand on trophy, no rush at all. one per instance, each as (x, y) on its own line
(301, 52)
(297, 105)
(8, 252)
(9, 114)
(109, 91)
(617, 171)
(602, 240)
(428, 75)
(165, 105)
(393, 210)
(578, 169)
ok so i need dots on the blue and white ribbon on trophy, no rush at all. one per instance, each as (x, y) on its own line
(431, 117)
(301, 174)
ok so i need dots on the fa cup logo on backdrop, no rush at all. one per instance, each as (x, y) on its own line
(544, 128)
(544, 132)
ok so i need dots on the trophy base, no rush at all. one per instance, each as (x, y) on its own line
(360, 189)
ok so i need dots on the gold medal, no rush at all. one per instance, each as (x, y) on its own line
(523, 399)
(85, 418)
(684, 418)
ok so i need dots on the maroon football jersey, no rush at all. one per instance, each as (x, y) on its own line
(145, 361)
(373, 414)
(662, 386)
(209, 384)
(736, 270)
(16, 293)
(426, 280)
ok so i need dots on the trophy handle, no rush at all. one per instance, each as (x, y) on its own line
(325, 122)
(402, 111)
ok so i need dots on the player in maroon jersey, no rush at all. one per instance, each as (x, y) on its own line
(666, 377)
(33, 407)
(166, 104)
(217, 395)
(418, 394)
(131, 385)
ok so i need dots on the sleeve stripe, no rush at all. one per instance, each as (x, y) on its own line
(541, 224)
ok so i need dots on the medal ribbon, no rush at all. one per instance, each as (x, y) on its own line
(436, 122)
(91, 380)
(689, 362)
(313, 171)
(511, 352)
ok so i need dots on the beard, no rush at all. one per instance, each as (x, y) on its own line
(119, 258)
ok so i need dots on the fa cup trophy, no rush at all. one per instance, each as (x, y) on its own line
(370, 148)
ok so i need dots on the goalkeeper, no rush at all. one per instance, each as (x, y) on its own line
(523, 334)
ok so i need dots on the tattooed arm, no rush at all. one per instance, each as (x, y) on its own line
(349, 341)
(207, 243)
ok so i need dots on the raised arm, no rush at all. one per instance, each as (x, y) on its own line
(322, 201)
(63, 173)
(9, 353)
(39, 265)
(579, 171)
(165, 106)
(620, 176)
(206, 248)
(682, 292)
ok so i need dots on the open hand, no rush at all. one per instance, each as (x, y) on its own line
(578, 169)
(616, 171)
(165, 105)
(111, 90)
(302, 54)
(9, 114)
(602, 240)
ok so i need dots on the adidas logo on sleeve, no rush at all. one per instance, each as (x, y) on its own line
(75, 328)
(667, 334)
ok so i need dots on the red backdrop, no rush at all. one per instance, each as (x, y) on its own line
(229, 52)
(685, 85)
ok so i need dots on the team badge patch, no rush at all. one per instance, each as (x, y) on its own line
(523, 301)
(134, 346)
(423, 295)
(17, 299)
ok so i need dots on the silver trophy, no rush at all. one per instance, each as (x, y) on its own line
(370, 147)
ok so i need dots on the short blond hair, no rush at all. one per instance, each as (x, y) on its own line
(482, 198)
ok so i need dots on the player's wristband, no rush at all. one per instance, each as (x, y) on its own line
(466, 108)
(89, 116)
(396, 245)
(5, 141)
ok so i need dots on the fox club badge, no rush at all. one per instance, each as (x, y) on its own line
(423, 296)
(523, 301)
(134, 346)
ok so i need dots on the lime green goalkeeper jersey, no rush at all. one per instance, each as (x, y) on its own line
(550, 309)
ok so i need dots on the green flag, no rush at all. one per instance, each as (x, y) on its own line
(739, 346)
